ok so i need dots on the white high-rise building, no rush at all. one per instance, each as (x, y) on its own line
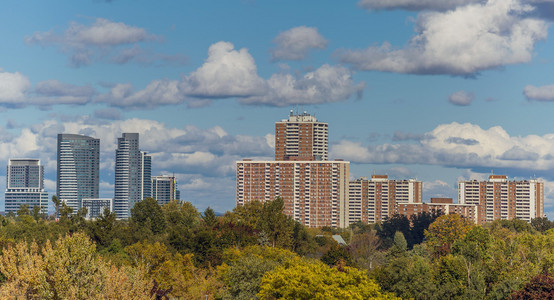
(164, 189)
(376, 199)
(501, 199)
(25, 185)
(132, 170)
(78, 169)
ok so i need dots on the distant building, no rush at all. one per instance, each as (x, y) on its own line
(301, 137)
(78, 169)
(376, 199)
(314, 189)
(501, 199)
(132, 175)
(315, 193)
(164, 189)
(25, 185)
(444, 205)
(96, 206)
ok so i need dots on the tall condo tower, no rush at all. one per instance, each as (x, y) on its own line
(164, 189)
(301, 137)
(132, 175)
(78, 169)
(25, 185)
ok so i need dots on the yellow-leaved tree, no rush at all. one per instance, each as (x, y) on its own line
(305, 279)
(446, 230)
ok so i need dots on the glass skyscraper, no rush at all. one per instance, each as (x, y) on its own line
(78, 169)
(25, 185)
(132, 175)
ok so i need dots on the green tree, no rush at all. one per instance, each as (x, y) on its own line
(209, 217)
(277, 226)
(148, 214)
(23, 210)
(387, 229)
(542, 224)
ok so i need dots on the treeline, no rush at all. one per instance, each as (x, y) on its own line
(175, 252)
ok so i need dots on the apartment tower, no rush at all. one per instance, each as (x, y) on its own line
(25, 185)
(314, 190)
(132, 175)
(378, 198)
(78, 169)
(301, 137)
(501, 199)
(164, 189)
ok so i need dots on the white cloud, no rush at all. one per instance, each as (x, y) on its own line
(439, 189)
(463, 41)
(295, 43)
(230, 73)
(13, 87)
(539, 93)
(156, 93)
(461, 98)
(226, 73)
(326, 84)
(98, 41)
(415, 5)
(461, 146)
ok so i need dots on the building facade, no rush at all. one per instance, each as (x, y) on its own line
(96, 206)
(501, 199)
(314, 189)
(444, 205)
(132, 175)
(376, 199)
(25, 185)
(77, 169)
(315, 193)
(301, 137)
(164, 189)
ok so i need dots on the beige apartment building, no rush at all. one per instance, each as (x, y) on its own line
(314, 189)
(501, 199)
(376, 199)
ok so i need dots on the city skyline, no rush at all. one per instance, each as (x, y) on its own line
(434, 90)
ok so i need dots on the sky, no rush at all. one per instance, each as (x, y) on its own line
(437, 90)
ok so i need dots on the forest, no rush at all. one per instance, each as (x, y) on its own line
(256, 252)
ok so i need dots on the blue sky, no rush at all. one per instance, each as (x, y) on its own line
(430, 89)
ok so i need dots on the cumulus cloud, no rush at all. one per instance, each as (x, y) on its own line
(104, 40)
(226, 73)
(295, 43)
(13, 87)
(326, 84)
(230, 73)
(461, 98)
(415, 5)
(539, 93)
(463, 41)
(461, 146)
